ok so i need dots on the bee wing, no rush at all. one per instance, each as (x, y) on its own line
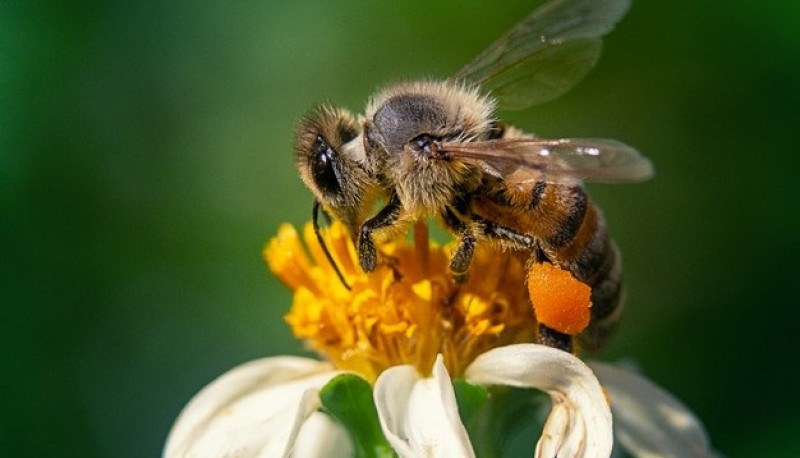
(546, 54)
(563, 160)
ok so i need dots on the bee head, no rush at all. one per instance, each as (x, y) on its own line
(329, 156)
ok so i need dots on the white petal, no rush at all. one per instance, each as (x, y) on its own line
(556, 426)
(320, 436)
(648, 421)
(419, 416)
(579, 424)
(256, 409)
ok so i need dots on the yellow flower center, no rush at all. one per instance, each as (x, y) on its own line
(408, 310)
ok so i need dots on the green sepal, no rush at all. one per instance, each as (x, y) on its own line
(470, 399)
(494, 416)
(348, 399)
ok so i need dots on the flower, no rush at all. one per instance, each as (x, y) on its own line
(407, 331)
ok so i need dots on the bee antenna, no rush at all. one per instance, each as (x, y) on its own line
(327, 217)
(315, 219)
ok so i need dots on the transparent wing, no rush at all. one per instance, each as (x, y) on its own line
(546, 54)
(520, 160)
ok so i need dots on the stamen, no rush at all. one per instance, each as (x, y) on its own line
(407, 311)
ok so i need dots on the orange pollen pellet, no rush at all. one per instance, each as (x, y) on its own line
(560, 301)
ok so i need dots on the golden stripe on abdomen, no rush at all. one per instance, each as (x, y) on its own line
(577, 203)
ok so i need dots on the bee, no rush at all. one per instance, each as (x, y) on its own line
(435, 149)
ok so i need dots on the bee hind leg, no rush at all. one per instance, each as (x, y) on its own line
(546, 335)
(555, 339)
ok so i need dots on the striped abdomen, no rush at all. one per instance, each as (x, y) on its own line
(569, 231)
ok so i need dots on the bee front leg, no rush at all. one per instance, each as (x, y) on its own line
(367, 252)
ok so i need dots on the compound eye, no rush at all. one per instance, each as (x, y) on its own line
(322, 167)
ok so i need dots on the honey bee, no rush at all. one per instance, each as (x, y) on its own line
(435, 149)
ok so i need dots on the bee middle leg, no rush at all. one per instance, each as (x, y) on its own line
(462, 257)
(470, 231)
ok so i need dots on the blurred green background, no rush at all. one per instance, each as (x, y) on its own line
(145, 153)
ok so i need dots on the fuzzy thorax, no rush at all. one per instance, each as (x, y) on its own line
(403, 124)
